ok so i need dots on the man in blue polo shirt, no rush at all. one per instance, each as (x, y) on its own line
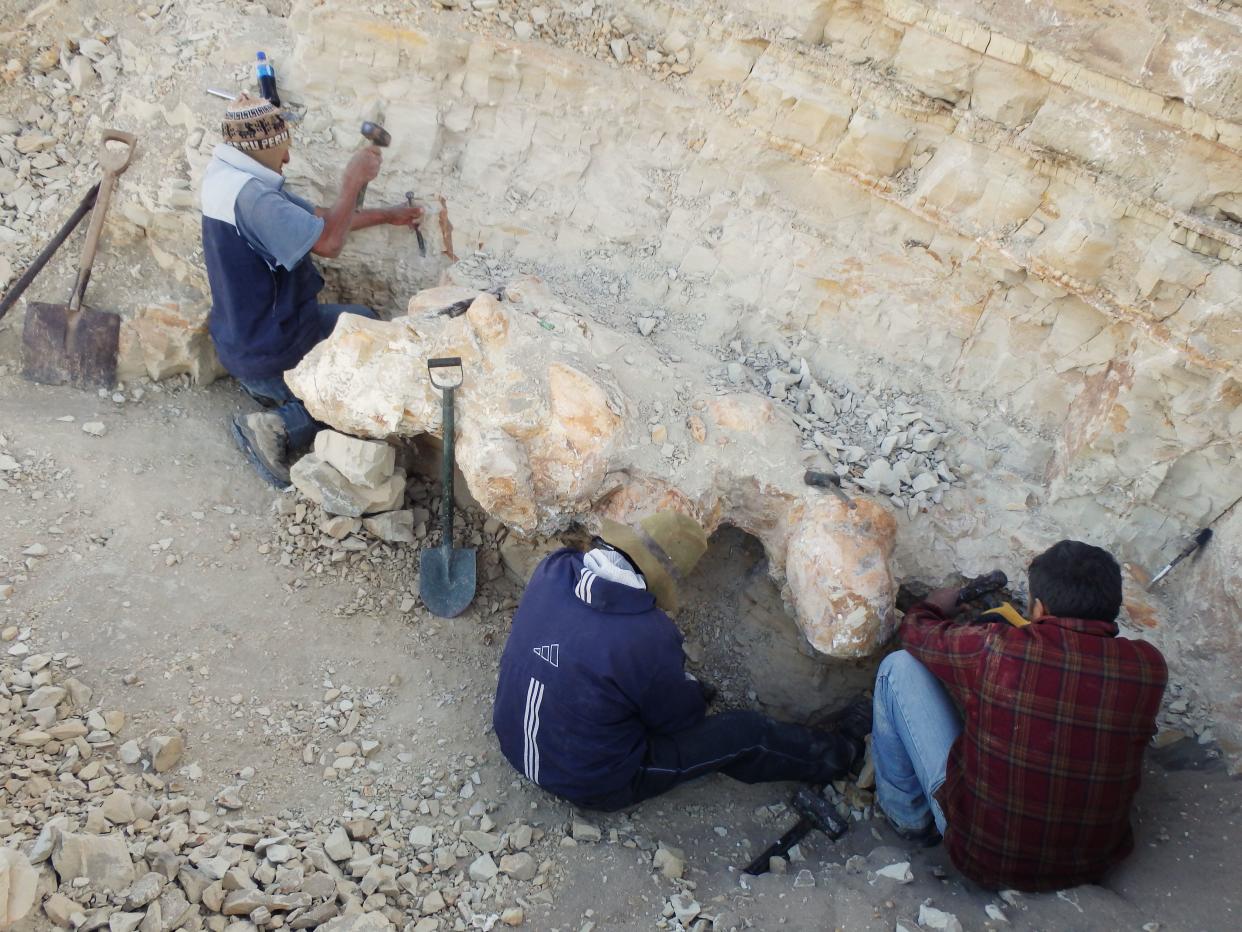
(257, 241)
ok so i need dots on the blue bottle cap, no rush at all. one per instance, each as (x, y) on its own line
(262, 56)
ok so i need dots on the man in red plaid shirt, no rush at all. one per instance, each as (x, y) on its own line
(1022, 746)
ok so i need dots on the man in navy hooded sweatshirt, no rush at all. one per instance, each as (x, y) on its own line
(594, 703)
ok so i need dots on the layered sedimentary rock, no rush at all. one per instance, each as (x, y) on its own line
(1029, 214)
(550, 432)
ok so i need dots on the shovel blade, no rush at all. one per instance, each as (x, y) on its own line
(447, 580)
(85, 358)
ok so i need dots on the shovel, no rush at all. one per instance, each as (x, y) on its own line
(69, 343)
(447, 575)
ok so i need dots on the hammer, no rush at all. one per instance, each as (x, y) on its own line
(814, 812)
(377, 136)
(422, 243)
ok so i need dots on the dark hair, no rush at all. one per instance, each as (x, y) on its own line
(1076, 580)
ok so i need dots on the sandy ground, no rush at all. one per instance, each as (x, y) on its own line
(226, 646)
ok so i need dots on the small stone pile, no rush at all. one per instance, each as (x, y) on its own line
(1183, 717)
(364, 518)
(882, 442)
(352, 479)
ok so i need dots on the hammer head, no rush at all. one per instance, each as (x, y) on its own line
(819, 812)
(376, 134)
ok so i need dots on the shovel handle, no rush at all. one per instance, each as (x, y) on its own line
(446, 458)
(35, 267)
(446, 471)
(445, 362)
(113, 163)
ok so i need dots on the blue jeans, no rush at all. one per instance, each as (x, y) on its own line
(915, 725)
(300, 427)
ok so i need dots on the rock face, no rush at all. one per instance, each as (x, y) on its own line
(1036, 228)
(1214, 581)
(547, 434)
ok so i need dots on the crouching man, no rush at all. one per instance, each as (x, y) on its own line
(1022, 745)
(257, 241)
(594, 703)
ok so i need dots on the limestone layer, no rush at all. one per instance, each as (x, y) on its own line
(1031, 214)
(548, 432)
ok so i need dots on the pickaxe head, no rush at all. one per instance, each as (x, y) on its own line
(376, 134)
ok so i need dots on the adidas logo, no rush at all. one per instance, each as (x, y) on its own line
(549, 652)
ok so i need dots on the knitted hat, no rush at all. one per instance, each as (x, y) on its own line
(666, 546)
(253, 125)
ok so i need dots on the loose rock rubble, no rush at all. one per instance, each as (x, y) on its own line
(880, 442)
(591, 29)
(106, 836)
(380, 552)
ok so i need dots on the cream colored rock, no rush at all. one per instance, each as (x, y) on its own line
(362, 462)
(545, 437)
(877, 144)
(839, 576)
(163, 340)
(1079, 246)
(937, 67)
(102, 859)
(18, 883)
(166, 751)
(395, 527)
(338, 496)
(1005, 93)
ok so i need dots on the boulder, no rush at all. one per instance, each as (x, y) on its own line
(839, 580)
(102, 859)
(18, 884)
(549, 432)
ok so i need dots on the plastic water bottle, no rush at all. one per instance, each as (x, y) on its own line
(267, 79)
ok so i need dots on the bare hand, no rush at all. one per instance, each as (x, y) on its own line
(405, 215)
(945, 600)
(363, 166)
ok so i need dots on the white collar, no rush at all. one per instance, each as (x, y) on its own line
(235, 158)
(613, 567)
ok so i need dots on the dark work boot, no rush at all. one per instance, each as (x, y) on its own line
(838, 753)
(261, 438)
(926, 837)
(853, 722)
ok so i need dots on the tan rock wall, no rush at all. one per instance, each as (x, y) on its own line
(1028, 213)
